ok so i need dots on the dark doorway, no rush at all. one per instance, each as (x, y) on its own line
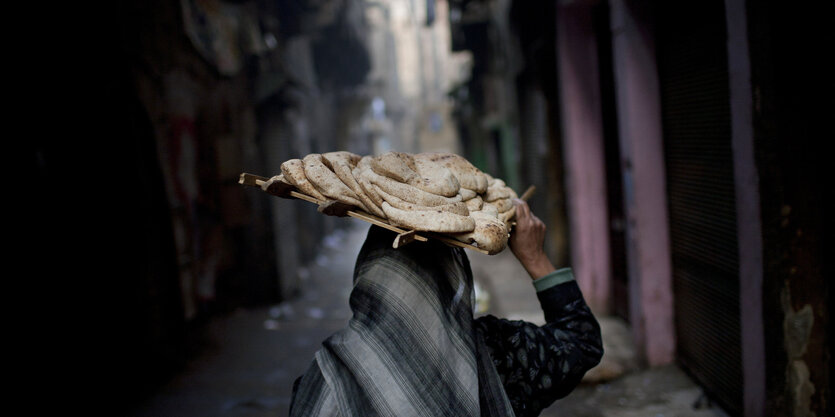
(693, 76)
(614, 179)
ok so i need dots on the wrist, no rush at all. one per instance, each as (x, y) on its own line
(538, 266)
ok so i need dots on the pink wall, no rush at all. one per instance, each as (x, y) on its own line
(645, 196)
(584, 155)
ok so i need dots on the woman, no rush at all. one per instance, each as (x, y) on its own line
(413, 348)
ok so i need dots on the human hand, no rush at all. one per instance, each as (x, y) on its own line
(526, 241)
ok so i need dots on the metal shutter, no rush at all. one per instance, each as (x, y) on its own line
(696, 116)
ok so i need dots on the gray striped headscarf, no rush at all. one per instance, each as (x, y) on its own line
(410, 348)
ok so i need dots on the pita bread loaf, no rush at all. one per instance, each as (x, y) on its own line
(278, 186)
(425, 175)
(293, 171)
(434, 192)
(435, 178)
(502, 205)
(459, 208)
(489, 234)
(474, 204)
(429, 220)
(467, 194)
(274, 179)
(327, 182)
(489, 208)
(506, 216)
(407, 192)
(467, 174)
(367, 186)
(396, 165)
(497, 192)
(342, 164)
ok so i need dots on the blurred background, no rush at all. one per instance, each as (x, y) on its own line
(678, 150)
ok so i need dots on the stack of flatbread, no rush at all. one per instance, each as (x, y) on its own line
(434, 192)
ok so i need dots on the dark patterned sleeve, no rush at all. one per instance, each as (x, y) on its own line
(540, 364)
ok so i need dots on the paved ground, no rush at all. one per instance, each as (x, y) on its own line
(255, 355)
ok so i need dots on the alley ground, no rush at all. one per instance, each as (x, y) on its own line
(254, 355)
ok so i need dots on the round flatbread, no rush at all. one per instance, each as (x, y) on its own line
(407, 192)
(489, 208)
(497, 192)
(508, 215)
(342, 164)
(327, 182)
(467, 194)
(366, 185)
(490, 180)
(435, 178)
(420, 173)
(274, 179)
(459, 208)
(398, 166)
(502, 205)
(489, 234)
(293, 171)
(467, 174)
(429, 220)
(474, 204)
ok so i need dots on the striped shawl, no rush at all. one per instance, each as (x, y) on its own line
(410, 348)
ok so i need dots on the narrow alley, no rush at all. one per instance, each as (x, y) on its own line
(678, 152)
(254, 355)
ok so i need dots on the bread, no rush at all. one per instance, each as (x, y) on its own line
(328, 183)
(293, 171)
(467, 194)
(467, 174)
(420, 173)
(474, 204)
(398, 166)
(407, 192)
(342, 164)
(434, 192)
(508, 215)
(497, 192)
(429, 220)
(489, 208)
(435, 178)
(490, 233)
(273, 180)
(502, 205)
(459, 208)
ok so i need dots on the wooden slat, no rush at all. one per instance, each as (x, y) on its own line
(305, 197)
(458, 243)
(250, 179)
(379, 222)
(528, 193)
(404, 239)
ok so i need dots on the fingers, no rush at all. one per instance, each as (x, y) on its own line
(538, 223)
(523, 211)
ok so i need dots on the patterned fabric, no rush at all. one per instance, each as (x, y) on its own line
(538, 365)
(412, 347)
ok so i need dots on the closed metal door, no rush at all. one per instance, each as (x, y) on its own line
(692, 57)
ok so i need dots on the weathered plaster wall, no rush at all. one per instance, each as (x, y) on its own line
(792, 106)
(644, 188)
(584, 155)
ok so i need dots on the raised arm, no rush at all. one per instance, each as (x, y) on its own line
(540, 364)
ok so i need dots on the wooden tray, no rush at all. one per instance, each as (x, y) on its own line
(336, 208)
